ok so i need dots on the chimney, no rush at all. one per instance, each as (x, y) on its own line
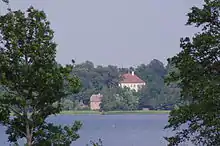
(132, 73)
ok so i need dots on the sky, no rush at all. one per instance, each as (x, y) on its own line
(117, 32)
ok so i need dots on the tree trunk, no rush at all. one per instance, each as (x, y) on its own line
(28, 129)
(29, 141)
(28, 136)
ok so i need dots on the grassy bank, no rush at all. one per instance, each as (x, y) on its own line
(115, 112)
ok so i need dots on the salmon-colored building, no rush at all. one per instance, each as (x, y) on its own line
(95, 101)
(131, 81)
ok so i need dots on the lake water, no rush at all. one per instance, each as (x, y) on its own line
(114, 130)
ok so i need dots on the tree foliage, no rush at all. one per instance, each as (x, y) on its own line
(105, 79)
(156, 94)
(119, 99)
(32, 80)
(198, 76)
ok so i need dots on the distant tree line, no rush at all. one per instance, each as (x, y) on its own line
(104, 79)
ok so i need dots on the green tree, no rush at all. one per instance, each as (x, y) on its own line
(119, 99)
(198, 75)
(129, 99)
(154, 95)
(94, 79)
(67, 105)
(32, 80)
(111, 100)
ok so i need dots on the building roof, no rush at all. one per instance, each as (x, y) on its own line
(96, 98)
(131, 78)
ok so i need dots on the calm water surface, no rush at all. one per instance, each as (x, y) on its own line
(114, 130)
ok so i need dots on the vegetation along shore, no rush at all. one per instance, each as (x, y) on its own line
(89, 112)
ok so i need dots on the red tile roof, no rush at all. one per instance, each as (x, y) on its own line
(129, 78)
(96, 98)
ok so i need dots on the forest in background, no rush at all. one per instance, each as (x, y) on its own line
(104, 79)
(155, 95)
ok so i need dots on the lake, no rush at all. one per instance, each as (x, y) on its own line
(114, 130)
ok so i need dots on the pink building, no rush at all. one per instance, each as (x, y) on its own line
(95, 101)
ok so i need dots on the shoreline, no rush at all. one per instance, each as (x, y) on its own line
(137, 112)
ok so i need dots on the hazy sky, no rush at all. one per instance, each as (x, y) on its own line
(117, 32)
